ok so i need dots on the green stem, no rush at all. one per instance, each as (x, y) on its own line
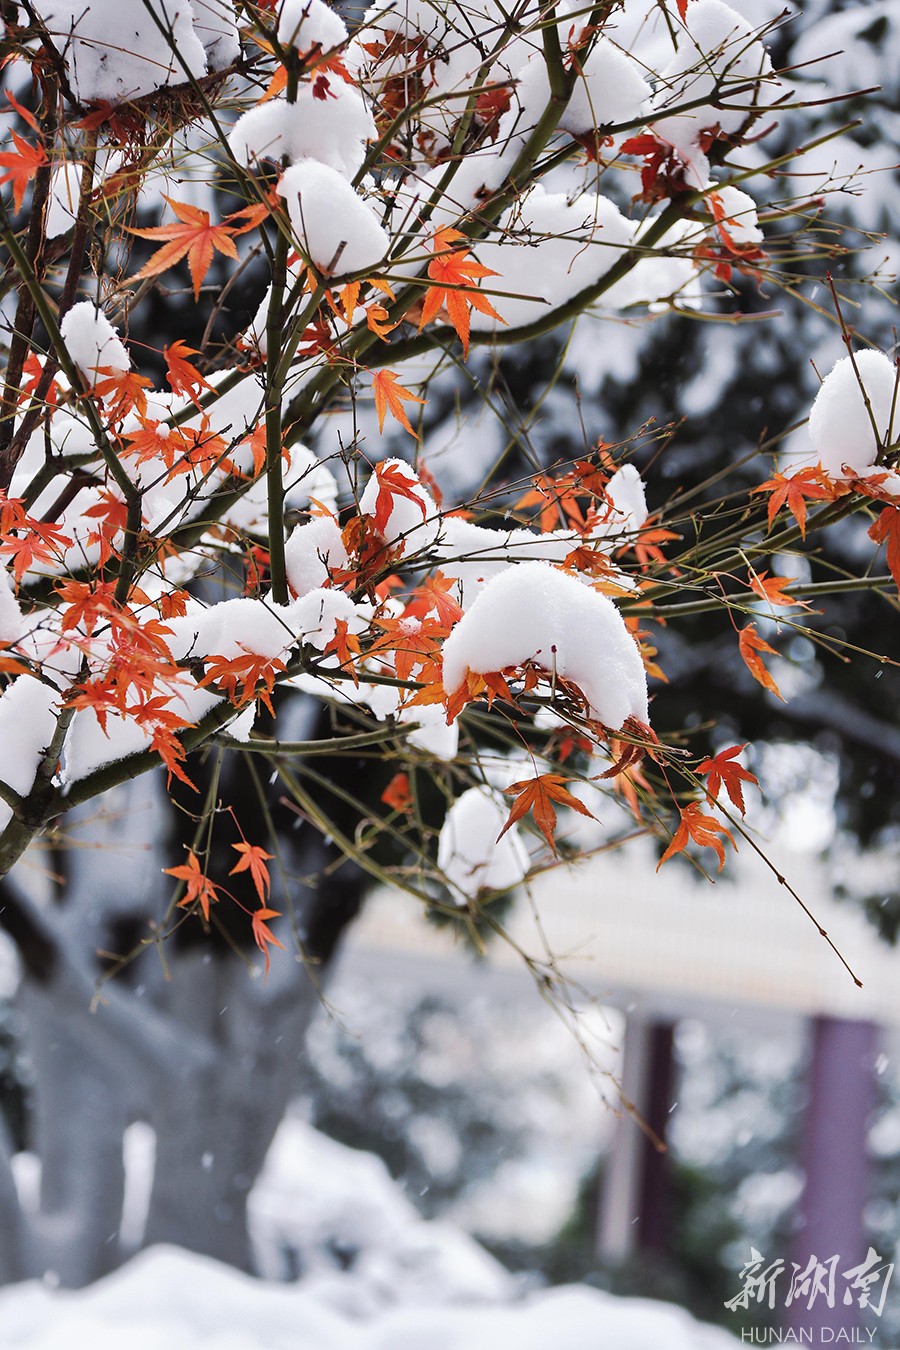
(275, 393)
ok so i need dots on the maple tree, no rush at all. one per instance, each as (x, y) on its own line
(206, 519)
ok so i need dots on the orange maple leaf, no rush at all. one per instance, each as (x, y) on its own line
(151, 443)
(397, 794)
(344, 645)
(8, 664)
(538, 795)
(886, 529)
(253, 860)
(86, 605)
(38, 542)
(21, 165)
(751, 644)
(183, 377)
(194, 238)
(724, 771)
(392, 482)
(243, 678)
(261, 935)
(390, 397)
(434, 595)
(702, 830)
(173, 605)
(771, 589)
(197, 886)
(171, 752)
(122, 392)
(452, 272)
(794, 491)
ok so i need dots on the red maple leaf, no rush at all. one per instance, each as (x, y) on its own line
(724, 771)
(453, 275)
(198, 887)
(772, 590)
(886, 529)
(699, 829)
(794, 491)
(183, 377)
(397, 794)
(750, 645)
(21, 165)
(261, 935)
(193, 237)
(538, 795)
(253, 859)
(390, 397)
(393, 482)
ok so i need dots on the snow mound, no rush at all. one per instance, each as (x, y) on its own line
(470, 854)
(92, 342)
(535, 612)
(841, 428)
(332, 132)
(116, 51)
(308, 23)
(28, 713)
(173, 1298)
(332, 1211)
(311, 551)
(336, 229)
(374, 1277)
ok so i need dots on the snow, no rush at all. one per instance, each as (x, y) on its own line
(740, 216)
(432, 734)
(231, 627)
(550, 249)
(90, 746)
(336, 229)
(470, 854)
(535, 612)
(318, 613)
(308, 23)
(840, 427)
(311, 552)
(91, 340)
(11, 622)
(325, 1205)
(28, 713)
(65, 186)
(717, 53)
(216, 27)
(375, 1277)
(611, 89)
(625, 491)
(333, 131)
(167, 1297)
(119, 49)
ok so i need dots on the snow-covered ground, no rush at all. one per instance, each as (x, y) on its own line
(376, 1277)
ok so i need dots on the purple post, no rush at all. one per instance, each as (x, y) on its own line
(841, 1097)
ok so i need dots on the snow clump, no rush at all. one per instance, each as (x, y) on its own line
(841, 429)
(471, 855)
(120, 49)
(334, 226)
(92, 342)
(535, 612)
